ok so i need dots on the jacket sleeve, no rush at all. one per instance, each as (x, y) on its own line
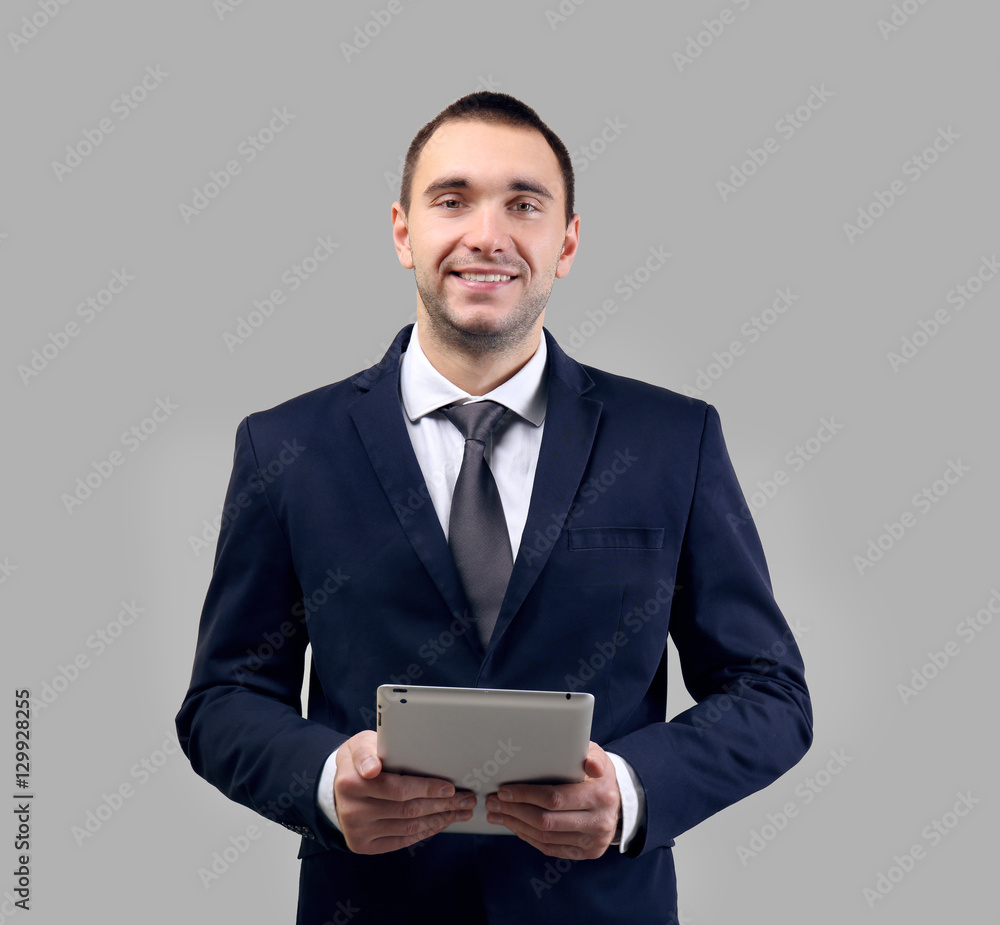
(752, 720)
(241, 722)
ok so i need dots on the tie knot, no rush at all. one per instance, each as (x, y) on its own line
(476, 419)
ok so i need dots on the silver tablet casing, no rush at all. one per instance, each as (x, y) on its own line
(480, 738)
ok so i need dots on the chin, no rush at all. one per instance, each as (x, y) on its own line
(485, 329)
(479, 321)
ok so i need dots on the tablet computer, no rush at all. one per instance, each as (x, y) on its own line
(480, 739)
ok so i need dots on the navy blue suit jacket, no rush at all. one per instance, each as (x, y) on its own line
(637, 527)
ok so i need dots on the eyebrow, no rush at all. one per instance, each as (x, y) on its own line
(514, 185)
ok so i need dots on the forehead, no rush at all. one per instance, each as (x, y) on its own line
(487, 155)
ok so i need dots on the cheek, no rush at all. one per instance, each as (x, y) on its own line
(426, 263)
(431, 256)
(553, 255)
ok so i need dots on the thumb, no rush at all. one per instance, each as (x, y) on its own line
(366, 760)
(593, 766)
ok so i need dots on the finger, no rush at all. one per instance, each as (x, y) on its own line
(401, 788)
(392, 835)
(574, 845)
(570, 852)
(420, 826)
(568, 827)
(555, 797)
(564, 841)
(365, 820)
(420, 808)
(565, 827)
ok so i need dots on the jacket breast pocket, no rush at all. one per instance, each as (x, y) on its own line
(615, 537)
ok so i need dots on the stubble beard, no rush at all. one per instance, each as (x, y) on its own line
(480, 338)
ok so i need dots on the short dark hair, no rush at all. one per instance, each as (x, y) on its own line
(494, 108)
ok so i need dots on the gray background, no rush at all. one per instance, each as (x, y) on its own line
(332, 172)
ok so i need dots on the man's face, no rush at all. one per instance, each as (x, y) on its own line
(486, 199)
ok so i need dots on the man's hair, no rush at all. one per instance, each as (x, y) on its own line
(492, 108)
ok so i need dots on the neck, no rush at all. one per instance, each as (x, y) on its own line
(477, 371)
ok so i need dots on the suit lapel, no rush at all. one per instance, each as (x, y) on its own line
(378, 417)
(570, 427)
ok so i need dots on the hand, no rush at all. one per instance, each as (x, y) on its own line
(380, 811)
(574, 821)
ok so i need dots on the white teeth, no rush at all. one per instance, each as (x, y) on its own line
(484, 277)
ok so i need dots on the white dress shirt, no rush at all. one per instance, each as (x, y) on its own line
(512, 455)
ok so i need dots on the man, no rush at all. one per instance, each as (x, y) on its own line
(368, 540)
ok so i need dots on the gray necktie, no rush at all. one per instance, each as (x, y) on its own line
(477, 529)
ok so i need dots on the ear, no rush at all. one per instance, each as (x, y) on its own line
(570, 244)
(401, 236)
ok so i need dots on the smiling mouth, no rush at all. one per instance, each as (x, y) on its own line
(484, 277)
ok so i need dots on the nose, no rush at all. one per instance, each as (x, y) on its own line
(486, 231)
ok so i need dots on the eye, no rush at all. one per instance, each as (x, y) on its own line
(447, 202)
(531, 207)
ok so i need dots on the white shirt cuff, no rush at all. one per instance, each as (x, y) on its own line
(633, 800)
(324, 792)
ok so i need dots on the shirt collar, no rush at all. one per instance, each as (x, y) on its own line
(424, 389)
